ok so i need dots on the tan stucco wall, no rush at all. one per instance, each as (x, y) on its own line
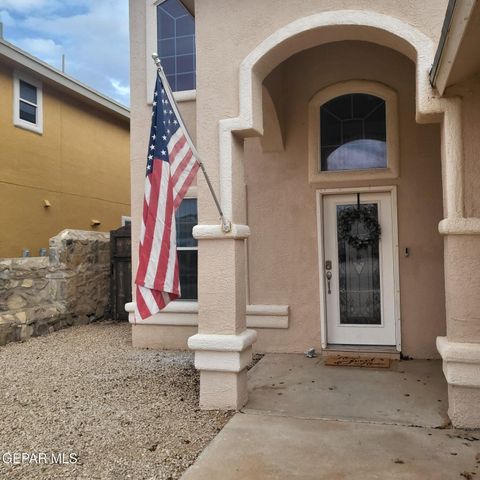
(229, 32)
(239, 28)
(283, 248)
(79, 164)
(463, 286)
(162, 336)
(141, 116)
(463, 251)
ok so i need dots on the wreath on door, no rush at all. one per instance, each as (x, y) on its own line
(361, 214)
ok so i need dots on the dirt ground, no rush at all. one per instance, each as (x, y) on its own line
(84, 398)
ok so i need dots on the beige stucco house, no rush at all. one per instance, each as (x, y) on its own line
(307, 113)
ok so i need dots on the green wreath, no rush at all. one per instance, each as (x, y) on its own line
(363, 214)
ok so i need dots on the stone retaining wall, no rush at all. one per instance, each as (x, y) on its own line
(39, 294)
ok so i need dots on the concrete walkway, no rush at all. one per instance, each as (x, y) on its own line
(308, 421)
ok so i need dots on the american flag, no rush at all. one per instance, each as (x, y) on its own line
(171, 167)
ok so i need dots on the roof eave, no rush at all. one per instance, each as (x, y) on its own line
(53, 76)
(454, 26)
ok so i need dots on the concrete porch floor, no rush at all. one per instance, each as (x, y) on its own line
(305, 420)
(408, 393)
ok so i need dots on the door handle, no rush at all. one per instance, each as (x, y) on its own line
(329, 277)
(328, 274)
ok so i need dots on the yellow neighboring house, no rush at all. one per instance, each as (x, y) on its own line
(64, 155)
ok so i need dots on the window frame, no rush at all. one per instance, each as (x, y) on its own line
(17, 121)
(151, 47)
(191, 194)
(315, 174)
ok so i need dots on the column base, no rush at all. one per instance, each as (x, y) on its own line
(222, 361)
(223, 390)
(463, 406)
(461, 366)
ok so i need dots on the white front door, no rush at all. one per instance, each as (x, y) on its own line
(359, 280)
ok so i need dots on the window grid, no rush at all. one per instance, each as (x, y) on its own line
(344, 122)
(179, 78)
(27, 102)
(23, 100)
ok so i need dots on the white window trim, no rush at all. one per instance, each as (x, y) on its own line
(17, 121)
(191, 193)
(151, 47)
(315, 175)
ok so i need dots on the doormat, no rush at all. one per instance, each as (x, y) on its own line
(352, 361)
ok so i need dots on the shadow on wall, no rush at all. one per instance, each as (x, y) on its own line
(70, 287)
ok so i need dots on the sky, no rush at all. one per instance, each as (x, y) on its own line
(93, 35)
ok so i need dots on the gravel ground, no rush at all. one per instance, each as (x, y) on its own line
(124, 413)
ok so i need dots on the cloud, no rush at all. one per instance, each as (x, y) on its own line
(7, 19)
(123, 90)
(93, 35)
(86, 22)
(43, 48)
(28, 5)
(96, 42)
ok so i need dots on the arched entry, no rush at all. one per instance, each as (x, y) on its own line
(223, 343)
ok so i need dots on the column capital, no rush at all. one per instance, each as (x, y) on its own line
(215, 232)
(223, 343)
(459, 226)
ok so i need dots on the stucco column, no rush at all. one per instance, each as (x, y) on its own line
(223, 345)
(460, 349)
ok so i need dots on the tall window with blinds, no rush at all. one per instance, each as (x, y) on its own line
(27, 102)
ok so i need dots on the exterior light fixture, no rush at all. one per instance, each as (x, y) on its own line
(95, 223)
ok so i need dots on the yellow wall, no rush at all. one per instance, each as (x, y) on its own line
(80, 164)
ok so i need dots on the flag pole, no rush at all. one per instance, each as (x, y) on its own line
(226, 224)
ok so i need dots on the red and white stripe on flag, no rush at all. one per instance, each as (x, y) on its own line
(171, 168)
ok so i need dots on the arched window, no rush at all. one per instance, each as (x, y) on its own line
(353, 132)
(176, 44)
